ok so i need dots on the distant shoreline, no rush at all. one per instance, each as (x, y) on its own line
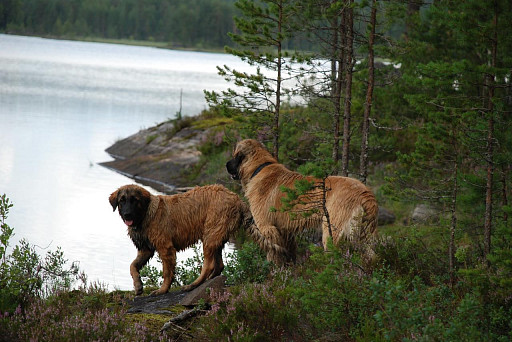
(124, 41)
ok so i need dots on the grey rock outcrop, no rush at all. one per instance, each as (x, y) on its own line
(424, 213)
(385, 217)
(158, 156)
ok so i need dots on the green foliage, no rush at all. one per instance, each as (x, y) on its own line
(331, 291)
(151, 276)
(331, 297)
(24, 275)
(180, 124)
(6, 231)
(418, 252)
(150, 138)
(253, 312)
(247, 264)
(189, 269)
(501, 257)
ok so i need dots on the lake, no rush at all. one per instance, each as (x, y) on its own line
(62, 103)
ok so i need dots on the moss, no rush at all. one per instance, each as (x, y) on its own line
(212, 122)
(150, 138)
(153, 322)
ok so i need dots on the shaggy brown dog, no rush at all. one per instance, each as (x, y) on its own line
(172, 223)
(350, 206)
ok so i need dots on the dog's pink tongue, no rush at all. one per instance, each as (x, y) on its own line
(128, 222)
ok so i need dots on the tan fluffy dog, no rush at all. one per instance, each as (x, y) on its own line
(350, 205)
(172, 223)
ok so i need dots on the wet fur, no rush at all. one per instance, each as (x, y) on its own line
(168, 224)
(351, 206)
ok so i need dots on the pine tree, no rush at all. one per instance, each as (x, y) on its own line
(363, 162)
(264, 27)
(457, 87)
(349, 65)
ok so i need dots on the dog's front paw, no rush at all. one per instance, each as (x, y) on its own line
(138, 288)
(157, 292)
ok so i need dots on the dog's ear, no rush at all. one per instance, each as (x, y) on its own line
(113, 199)
(145, 199)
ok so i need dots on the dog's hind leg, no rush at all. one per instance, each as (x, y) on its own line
(208, 267)
(142, 258)
(219, 264)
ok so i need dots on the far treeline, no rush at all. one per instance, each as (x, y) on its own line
(181, 23)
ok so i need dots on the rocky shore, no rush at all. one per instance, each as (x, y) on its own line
(165, 155)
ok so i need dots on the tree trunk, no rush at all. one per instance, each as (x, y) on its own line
(413, 7)
(504, 194)
(453, 212)
(363, 166)
(339, 58)
(277, 108)
(490, 138)
(348, 88)
(335, 93)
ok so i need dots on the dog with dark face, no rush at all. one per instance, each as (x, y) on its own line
(350, 207)
(168, 224)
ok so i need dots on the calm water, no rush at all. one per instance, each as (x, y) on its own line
(61, 104)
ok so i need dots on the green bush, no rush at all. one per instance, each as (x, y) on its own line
(412, 255)
(24, 275)
(189, 269)
(151, 276)
(247, 264)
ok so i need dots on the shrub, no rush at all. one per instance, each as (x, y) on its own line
(24, 275)
(411, 256)
(247, 264)
(332, 292)
(151, 276)
(189, 269)
(253, 312)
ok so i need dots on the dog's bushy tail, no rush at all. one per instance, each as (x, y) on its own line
(370, 219)
(368, 230)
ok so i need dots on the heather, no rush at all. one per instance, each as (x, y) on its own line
(89, 314)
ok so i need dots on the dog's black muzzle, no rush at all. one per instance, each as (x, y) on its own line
(233, 166)
(233, 172)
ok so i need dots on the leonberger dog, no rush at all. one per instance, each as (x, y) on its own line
(168, 224)
(342, 208)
